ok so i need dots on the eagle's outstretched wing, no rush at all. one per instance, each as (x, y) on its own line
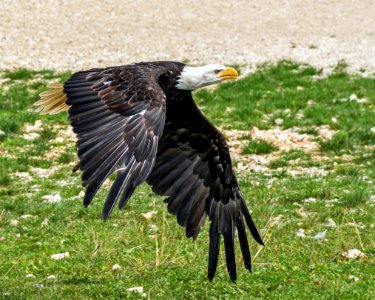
(193, 168)
(118, 117)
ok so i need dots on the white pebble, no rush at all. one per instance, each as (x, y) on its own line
(138, 289)
(353, 253)
(309, 200)
(279, 121)
(59, 256)
(352, 277)
(30, 276)
(55, 198)
(353, 97)
(149, 214)
(311, 102)
(31, 136)
(116, 267)
(26, 216)
(330, 223)
(51, 277)
(362, 100)
(81, 194)
(14, 222)
(153, 227)
(301, 233)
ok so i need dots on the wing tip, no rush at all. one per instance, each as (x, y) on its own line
(233, 278)
(105, 215)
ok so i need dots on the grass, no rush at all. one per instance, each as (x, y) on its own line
(155, 253)
(258, 146)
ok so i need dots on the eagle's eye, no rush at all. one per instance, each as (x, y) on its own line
(217, 71)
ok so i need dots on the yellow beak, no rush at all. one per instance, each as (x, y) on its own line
(228, 73)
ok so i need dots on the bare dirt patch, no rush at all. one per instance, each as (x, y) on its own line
(73, 35)
(285, 140)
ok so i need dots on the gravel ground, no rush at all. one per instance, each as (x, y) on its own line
(76, 34)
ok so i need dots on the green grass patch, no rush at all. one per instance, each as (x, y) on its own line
(258, 146)
(154, 253)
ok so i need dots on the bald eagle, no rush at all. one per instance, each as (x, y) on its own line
(140, 121)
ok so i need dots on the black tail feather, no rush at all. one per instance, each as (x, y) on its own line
(244, 244)
(213, 254)
(229, 252)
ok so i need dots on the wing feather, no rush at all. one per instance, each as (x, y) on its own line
(193, 168)
(118, 117)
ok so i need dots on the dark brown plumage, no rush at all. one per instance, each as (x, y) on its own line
(132, 120)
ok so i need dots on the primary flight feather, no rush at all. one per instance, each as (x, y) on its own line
(141, 121)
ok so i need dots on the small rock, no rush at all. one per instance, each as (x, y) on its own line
(51, 277)
(372, 129)
(45, 222)
(256, 169)
(26, 216)
(153, 227)
(81, 194)
(116, 267)
(353, 254)
(31, 136)
(309, 200)
(303, 213)
(301, 233)
(279, 121)
(352, 277)
(300, 115)
(276, 221)
(37, 126)
(362, 100)
(138, 289)
(55, 198)
(334, 120)
(30, 276)
(14, 222)
(149, 214)
(311, 102)
(59, 256)
(330, 223)
(24, 175)
(353, 97)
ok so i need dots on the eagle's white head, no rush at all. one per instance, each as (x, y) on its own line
(192, 78)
